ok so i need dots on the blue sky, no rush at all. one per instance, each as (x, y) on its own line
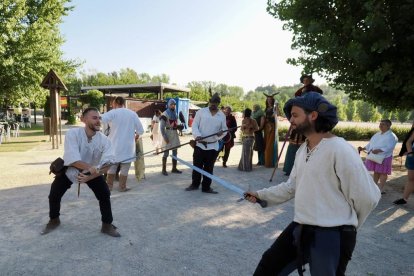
(234, 42)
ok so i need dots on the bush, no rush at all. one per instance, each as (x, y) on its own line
(71, 119)
(355, 133)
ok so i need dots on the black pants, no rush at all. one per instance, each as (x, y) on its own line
(226, 153)
(203, 159)
(326, 249)
(98, 185)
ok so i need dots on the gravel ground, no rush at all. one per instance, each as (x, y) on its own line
(167, 231)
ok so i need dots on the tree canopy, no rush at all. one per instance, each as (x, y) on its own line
(365, 48)
(30, 43)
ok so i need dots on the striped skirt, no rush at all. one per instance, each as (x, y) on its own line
(245, 163)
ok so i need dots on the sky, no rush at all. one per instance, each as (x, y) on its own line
(234, 42)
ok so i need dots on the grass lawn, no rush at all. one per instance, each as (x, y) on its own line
(28, 139)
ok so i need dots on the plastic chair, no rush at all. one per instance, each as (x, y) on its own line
(16, 129)
(1, 133)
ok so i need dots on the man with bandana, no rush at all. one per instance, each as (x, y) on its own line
(207, 121)
(332, 200)
(169, 126)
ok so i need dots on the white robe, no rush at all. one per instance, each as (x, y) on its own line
(123, 123)
(384, 141)
(206, 124)
(96, 152)
(332, 188)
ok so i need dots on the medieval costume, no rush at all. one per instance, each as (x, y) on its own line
(249, 126)
(86, 150)
(228, 140)
(331, 200)
(168, 127)
(124, 127)
(259, 144)
(207, 121)
(308, 86)
(270, 132)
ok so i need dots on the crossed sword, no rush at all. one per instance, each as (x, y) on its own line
(222, 182)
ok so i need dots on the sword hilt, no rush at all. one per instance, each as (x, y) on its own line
(261, 202)
(86, 173)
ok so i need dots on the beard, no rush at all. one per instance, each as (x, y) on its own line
(304, 127)
(213, 107)
(94, 127)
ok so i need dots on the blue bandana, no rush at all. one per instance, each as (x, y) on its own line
(313, 101)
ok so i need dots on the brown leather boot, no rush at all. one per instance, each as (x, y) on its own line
(174, 167)
(110, 180)
(164, 166)
(110, 229)
(50, 226)
(122, 183)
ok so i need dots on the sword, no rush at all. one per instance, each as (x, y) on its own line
(222, 182)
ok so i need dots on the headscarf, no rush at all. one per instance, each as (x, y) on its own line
(313, 101)
(257, 112)
(171, 113)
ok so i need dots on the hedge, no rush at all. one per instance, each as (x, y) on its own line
(355, 133)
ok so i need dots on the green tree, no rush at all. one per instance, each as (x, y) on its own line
(363, 47)
(367, 112)
(94, 98)
(340, 108)
(30, 43)
(403, 115)
(350, 110)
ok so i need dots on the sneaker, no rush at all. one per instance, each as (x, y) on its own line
(400, 201)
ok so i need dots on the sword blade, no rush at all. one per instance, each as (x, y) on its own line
(220, 181)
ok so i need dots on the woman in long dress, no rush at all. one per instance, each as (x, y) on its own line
(248, 127)
(270, 129)
(259, 144)
(155, 131)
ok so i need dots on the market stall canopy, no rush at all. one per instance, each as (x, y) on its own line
(193, 107)
(130, 89)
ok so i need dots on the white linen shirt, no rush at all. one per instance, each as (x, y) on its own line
(206, 124)
(384, 141)
(123, 124)
(96, 152)
(332, 188)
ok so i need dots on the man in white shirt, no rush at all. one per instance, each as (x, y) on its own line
(207, 121)
(86, 151)
(124, 128)
(333, 192)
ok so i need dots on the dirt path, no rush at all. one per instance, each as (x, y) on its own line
(167, 231)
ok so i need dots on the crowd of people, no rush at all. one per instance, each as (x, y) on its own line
(332, 200)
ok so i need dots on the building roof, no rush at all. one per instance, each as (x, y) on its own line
(130, 89)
